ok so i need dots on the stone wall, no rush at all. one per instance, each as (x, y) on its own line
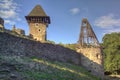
(38, 31)
(92, 60)
(12, 45)
(89, 58)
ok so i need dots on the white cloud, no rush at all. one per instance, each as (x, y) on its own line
(8, 14)
(8, 4)
(107, 21)
(10, 22)
(9, 11)
(75, 11)
(111, 30)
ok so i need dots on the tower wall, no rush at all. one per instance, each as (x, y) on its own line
(92, 60)
(38, 31)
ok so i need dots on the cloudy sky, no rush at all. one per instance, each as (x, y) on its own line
(66, 16)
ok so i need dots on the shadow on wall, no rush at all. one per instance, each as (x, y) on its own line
(92, 60)
(94, 68)
(12, 45)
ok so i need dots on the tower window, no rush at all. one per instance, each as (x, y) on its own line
(36, 24)
(39, 29)
(98, 56)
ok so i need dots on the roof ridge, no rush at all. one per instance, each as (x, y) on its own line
(37, 11)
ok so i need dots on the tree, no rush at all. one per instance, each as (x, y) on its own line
(111, 44)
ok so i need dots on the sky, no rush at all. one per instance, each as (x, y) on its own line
(66, 16)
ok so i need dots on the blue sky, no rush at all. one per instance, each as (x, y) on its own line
(66, 16)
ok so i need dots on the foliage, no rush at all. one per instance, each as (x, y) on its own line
(52, 42)
(111, 44)
(70, 46)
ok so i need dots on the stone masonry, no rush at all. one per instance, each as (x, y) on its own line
(18, 31)
(92, 60)
(90, 50)
(13, 45)
(38, 31)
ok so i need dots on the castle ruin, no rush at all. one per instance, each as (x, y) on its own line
(38, 22)
(90, 50)
(18, 31)
(88, 45)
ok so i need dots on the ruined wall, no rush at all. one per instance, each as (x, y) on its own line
(12, 45)
(92, 60)
(38, 31)
(18, 31)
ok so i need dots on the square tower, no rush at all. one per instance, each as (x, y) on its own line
(38, 22)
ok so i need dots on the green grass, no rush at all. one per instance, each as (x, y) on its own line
(39, 69)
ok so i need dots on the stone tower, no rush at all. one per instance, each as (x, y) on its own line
(38, 22)
(90, 50)
(1, 24)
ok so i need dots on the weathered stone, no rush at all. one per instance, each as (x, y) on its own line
(92, 60)
(18, 31)
(23, 47)
(4, 71)
(38, 31)
(13, 76)
(89, 48)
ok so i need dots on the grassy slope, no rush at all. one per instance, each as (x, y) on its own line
(24, 68)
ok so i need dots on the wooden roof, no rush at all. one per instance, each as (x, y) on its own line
(37, 11)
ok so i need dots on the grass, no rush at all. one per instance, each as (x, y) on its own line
(39, 69)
